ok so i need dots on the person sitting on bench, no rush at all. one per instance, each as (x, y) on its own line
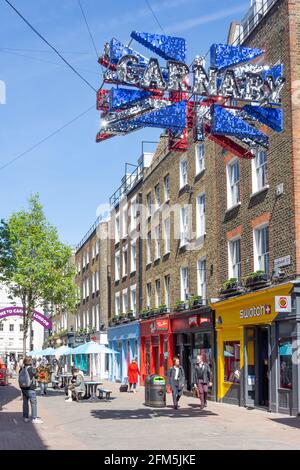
(76, 386)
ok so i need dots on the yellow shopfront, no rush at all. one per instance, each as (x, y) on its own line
(244, 346)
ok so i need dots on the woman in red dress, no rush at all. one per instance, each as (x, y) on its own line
(133, 372)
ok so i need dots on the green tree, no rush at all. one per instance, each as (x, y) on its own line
(34, 264)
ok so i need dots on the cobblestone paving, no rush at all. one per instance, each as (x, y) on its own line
(125, 423)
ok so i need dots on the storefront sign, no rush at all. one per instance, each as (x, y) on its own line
(19, 311)
(162, 324)
(283, 303)
(204, 320)
(255, 311)
(179, 97)
(193, 321)
(281, 262)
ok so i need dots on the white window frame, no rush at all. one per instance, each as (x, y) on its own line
(184, 225)
(149, 294)
(256, 242)
(117, 229)
(157, 196)
(149, 248)
(125, 304)
(167, 187)
(199, 158)
(167, 286)
(183, 172)
(133, 214)
(157, 293)
(167, 241)
(124, 225)
(124, 261)
(184, 283)
(233, 187)
(157, 242)
(117, 265)
(149, 204)
(117, 304)
(133, 256)
(259, 172)
(234, 266)
(201, 278)
(201, 215)
(133, 304)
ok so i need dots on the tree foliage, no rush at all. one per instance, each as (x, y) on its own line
(34, 264)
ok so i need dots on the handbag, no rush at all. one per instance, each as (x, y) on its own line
(123, 388)
(195, 391)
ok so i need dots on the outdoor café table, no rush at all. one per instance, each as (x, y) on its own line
(91, 389)
(65, 380)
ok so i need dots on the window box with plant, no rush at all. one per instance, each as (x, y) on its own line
(179, 306)
(195, 301)
(256, 279)
(230, 286)
(163, 309)
(144, 313)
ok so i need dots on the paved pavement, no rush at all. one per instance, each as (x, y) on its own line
(125, 423)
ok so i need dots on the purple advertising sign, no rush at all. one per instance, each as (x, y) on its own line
(37, 316)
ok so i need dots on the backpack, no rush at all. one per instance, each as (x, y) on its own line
(24, 378)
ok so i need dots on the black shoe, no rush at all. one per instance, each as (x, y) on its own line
(175, 407)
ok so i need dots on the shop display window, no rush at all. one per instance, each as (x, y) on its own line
(285, 358)
(203, 345)
(232, 361)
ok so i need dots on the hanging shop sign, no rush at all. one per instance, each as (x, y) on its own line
(283, 303)
(19, 311)
(226, 102)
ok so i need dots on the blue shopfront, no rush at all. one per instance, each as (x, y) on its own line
(125, 339)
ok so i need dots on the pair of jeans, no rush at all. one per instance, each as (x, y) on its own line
(29, 396)
(43, 388)
(203, 391)
(132, 386)
(176, 393)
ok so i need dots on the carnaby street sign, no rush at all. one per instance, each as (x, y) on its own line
(18, 311)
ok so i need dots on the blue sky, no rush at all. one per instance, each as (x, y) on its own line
(71, 172)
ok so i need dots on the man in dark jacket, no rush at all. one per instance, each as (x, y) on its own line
(176, 381)
(29, 393)
(202, 379)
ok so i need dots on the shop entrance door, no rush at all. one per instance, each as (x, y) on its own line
(256, 366)
(187, 351)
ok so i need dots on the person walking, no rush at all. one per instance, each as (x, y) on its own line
(133, 372)
(27, 383)
(176, 381)
(202, 379)
(43, 376)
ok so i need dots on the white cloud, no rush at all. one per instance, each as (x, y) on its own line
(204, 19)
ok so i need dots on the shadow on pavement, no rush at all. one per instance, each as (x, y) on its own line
(17, 435)
(8, 393)
(144, 413)
(292, 422)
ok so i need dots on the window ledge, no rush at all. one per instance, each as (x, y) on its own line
(259, 191)
(233, 207)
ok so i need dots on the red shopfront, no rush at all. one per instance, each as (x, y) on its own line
(193, 333)
(156, 347)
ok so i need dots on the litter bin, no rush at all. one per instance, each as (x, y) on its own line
(155, 391)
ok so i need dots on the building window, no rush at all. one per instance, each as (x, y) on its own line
(97, 280)
(201, 278)
(183, 172)
(124, 221)
(184, 226)
(233, 183)
(149, 205)
(117, 229)
(184, 283)
(167, 235)
(97, 317)
(259, 171)
(167, 291)
(93, 251)
(133, 256)
(124, 261)
(93, 283)
(117, 304)
(133, 299)
(157, 242)
(149, 294)
(87, 287)
(200, 216)
(157, 293)
(125, 301)
(234, 252)
(261, 249)
(232, 361)
(149, 248)
(286, 363)
(199, 154)
(93, 317)
(117, 265)
(21, 327)
(167, 187)
(157, 197)
(133, 213)
(2, 327)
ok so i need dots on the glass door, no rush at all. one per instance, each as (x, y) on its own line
(249, 367)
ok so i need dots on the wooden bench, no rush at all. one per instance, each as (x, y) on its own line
(104, 393)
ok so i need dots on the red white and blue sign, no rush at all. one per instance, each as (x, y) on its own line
(227, 102)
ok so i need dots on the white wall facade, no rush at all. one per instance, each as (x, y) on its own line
(11, 336)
